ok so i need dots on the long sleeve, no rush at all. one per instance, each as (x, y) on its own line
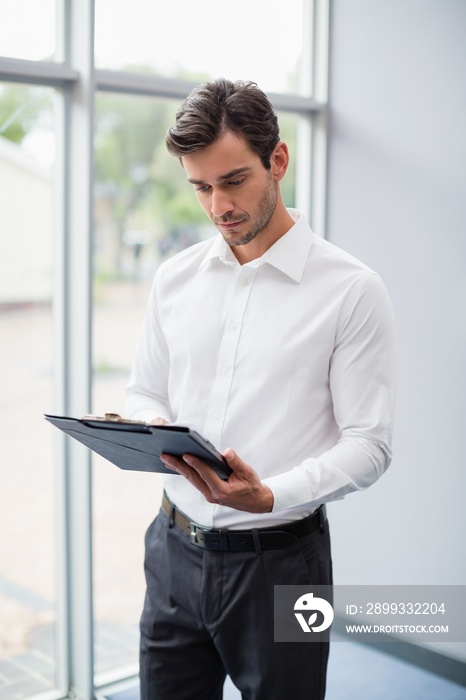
(361, 381)
(147, 390)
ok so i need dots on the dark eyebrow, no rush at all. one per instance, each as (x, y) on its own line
(227, 176)
(234, 173)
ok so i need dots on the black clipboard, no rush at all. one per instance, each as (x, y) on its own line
(137, 446)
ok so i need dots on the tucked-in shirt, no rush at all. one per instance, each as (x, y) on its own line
(287, 359)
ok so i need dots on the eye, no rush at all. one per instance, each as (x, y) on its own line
(202, 188)
(235, 183)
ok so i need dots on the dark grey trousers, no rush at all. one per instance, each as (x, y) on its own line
(208, 614)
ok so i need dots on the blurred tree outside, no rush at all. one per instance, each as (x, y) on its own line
(144, 207)
(22, 109)
(142, 199)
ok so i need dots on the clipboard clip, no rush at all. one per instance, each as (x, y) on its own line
(113, 418)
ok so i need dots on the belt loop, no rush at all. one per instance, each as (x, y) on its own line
(257, 540)
(321, 512)
(224, 544)
(171, 516)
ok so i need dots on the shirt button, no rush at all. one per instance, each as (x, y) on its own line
(224, 370)
(245, 282)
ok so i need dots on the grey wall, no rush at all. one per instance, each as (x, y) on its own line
(397, 200)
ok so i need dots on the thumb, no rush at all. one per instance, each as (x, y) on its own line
(232, 458)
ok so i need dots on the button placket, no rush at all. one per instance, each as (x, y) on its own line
(227, 353)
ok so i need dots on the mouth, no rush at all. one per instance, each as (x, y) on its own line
(229, 225)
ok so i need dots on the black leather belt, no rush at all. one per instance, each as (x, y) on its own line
(257, 539)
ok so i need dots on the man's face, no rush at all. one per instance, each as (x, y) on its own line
(234, 188)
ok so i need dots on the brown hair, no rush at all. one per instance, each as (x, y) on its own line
(213, 108)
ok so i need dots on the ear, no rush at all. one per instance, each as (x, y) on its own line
(279, 161)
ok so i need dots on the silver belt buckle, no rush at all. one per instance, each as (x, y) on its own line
(193, 530)
(192, 533)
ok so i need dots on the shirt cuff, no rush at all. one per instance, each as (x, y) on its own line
(288, 490)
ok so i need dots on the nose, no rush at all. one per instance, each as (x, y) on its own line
(220, 204)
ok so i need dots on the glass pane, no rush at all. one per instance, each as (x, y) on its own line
(138, 222)
(260, 41)
(27, 30)
(144, 211)
(288, 133)
(27, 470)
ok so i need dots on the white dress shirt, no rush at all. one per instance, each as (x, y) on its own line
(287, 359)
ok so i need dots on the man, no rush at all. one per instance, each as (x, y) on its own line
(277, 346)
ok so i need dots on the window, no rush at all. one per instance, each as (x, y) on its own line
(198, 42)
(81, 236)
(28, 30)
(28, 566)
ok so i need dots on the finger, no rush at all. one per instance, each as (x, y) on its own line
(172, 462)
(205, 472)
(158, 421)
(181, 467)
(235, 462)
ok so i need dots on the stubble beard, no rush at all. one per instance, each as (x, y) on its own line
(266, 210)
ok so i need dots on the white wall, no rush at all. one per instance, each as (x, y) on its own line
(397, 200)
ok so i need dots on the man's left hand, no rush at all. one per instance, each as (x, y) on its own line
(243, 490)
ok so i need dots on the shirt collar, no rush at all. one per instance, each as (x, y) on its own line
(288, 254)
